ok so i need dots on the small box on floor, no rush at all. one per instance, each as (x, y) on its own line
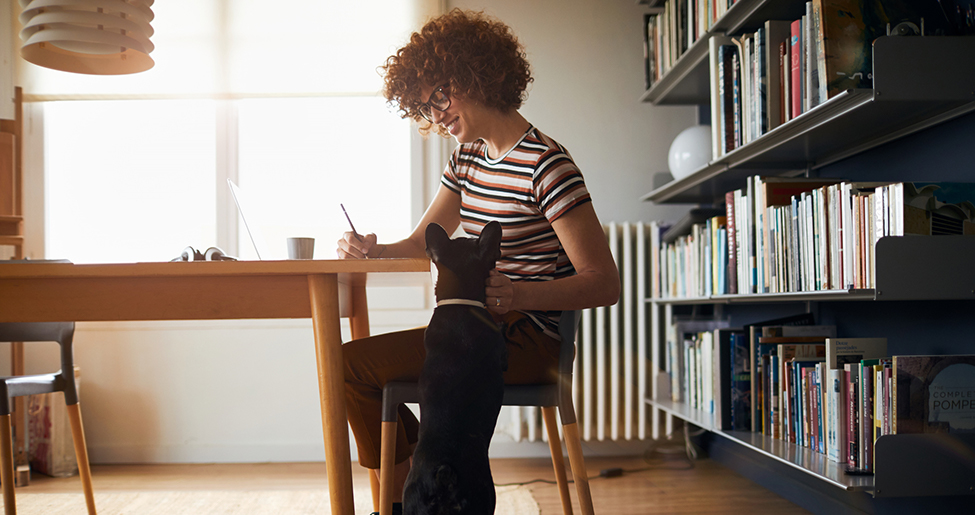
(49, 441)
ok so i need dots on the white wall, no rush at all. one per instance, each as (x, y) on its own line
(587, 58)
(246, 391)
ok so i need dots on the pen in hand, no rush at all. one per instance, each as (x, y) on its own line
(354, 232)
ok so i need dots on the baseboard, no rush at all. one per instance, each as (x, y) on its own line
(502, 449)
(124, 454)
(119, 454)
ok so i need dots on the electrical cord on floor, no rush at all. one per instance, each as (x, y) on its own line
(666, 446)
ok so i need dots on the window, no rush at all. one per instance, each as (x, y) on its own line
(301, 158)
(128, 180)
(138, 180)
(285, 105)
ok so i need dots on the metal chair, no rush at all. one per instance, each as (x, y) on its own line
(546, 396)
(62, 381)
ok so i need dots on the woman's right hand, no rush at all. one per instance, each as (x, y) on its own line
(351, 247)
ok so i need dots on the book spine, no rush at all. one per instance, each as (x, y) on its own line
(795, 53)
(732, 246)
(866, 417)
(736, 100)
(852, 433)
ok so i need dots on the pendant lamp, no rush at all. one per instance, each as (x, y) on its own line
(97, 37)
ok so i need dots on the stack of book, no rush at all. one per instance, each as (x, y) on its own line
(765, 78)
(795, 381)
(784, 234)
(668, 34)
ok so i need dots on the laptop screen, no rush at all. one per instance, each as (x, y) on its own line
(240, 201)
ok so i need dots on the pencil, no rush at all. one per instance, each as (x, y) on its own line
(354, 232)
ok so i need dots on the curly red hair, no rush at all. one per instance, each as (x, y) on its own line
(478, 57)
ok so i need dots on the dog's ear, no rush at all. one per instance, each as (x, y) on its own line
(436, 237)
(490, 241)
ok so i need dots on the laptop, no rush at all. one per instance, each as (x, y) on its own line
(239, 200)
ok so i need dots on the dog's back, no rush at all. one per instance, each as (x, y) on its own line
(461, 384)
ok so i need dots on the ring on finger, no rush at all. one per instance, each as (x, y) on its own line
(498, 299)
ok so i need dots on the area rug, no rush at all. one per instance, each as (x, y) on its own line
(511, 500)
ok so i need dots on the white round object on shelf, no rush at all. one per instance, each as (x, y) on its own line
(690, 151)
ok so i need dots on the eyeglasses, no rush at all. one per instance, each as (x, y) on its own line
(438, 100)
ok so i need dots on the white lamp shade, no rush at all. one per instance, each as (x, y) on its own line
(98, 37)
(690, 151)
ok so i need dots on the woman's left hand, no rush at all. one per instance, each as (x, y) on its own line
(499, 292)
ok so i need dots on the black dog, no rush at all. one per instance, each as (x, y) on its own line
(461, 385)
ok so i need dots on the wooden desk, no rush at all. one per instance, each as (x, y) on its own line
(323, 290)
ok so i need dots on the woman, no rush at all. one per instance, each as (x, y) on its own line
(465, 75)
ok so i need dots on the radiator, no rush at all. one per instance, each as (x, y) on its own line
(610, 377)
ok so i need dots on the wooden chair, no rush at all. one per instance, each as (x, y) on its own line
(61, 381)
(547, 396)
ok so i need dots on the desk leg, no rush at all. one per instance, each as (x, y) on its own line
(360, 313)
(331, 388)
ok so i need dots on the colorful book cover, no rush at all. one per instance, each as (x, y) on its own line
(866, 383)
(933, 394)
(795, 56)
(849, 28)
(732, 277)
(736, 100)
(851, 376)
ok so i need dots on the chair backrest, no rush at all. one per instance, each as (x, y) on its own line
(60, 332)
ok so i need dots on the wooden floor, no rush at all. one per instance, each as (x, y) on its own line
(664, 485)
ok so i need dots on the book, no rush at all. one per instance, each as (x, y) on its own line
(836, 401)
(760, 83)
(727, 120)
(851, 377)
(850, 27)
(785, 75)
(776, 33)
(847, 52)
(840, 351)
(933, 394)
(741, 405)
(718, 87)
(866, 382)
(724, 380)
(811, 68)
(795, 67)
(732, 246)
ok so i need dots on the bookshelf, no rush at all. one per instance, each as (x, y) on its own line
(921, 282)
(688, 81)
(850, 123)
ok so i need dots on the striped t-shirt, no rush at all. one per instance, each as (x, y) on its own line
(525, 190)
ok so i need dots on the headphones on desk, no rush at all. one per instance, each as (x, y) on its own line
(210, 254)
